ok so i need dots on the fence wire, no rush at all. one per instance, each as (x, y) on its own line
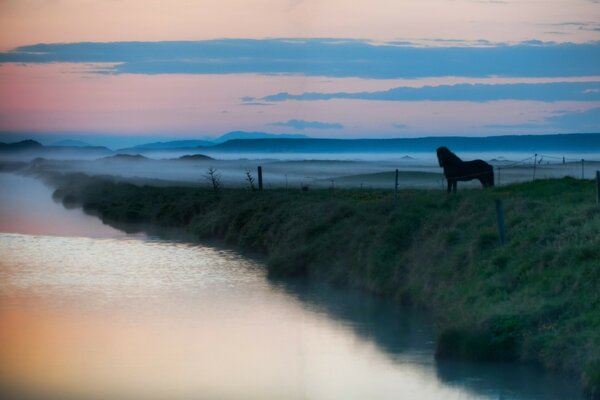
(376, 176)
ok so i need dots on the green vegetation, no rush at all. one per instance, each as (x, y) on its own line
(536, 299)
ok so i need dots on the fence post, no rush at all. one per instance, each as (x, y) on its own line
(260, 181)
(499, 175)
(582, 168)
(500, 218)
(597, 187)
(396, 187)
(534, 165)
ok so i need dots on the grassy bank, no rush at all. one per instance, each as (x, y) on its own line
(536, 298)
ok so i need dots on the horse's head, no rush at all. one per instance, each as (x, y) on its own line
(442, 155)
(446, 157)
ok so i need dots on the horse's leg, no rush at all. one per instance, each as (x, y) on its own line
(449, 185)
(454, 183)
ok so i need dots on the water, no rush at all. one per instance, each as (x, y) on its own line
(87, 311)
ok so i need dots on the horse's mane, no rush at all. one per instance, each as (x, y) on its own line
(445, 156)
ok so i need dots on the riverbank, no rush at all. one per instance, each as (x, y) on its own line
(534, 299)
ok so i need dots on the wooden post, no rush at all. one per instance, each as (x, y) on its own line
(260, 181)
(500, 218)
(597, 187)
(396, 187)
(534, 164)
(582, 168)
(563, 160)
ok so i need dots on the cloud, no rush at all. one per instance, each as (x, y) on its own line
(323, 57)
(400, 126)
(548, 92)
(577, 25)
(582, 121)
(301, 124)
(517, 126)
(568, 121)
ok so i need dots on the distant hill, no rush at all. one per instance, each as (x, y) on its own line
(24, 145)
(190, 144)
(236, 135)
(585, 143)
(31, 148)
(195, 157)
(563, 143)
(126, 157)
(71, 143)
(171, 145)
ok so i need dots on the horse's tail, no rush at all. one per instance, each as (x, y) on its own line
(491, 176)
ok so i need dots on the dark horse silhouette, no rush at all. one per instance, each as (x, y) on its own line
(456, 169)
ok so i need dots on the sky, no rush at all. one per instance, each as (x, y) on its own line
(324, 68)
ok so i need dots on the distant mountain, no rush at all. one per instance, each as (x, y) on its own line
(584, 143)
(71, 143)
(125, 157)
(171, 145)
(189, 144)
(195, 157)
(237, 135)
(24, 145)
(32, 149)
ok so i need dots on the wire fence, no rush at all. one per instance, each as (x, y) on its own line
(534, 167)
(543, 166)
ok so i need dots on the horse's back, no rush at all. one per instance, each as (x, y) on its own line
(482, 165)
(467, 170)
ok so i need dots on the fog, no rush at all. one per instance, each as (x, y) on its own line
(232, 173)
(295, 170)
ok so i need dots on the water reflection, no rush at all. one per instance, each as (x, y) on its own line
(508, 381)
(146, 319)
(406, 336)
(26, 206)
(403, 333)
(117, 316)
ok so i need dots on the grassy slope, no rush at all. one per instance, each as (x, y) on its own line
(535, 299)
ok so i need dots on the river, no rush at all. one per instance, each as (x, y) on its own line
(89, 311)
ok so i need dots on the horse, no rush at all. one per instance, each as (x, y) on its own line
(456, 169)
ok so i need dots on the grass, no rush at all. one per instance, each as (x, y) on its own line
(535, 299)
